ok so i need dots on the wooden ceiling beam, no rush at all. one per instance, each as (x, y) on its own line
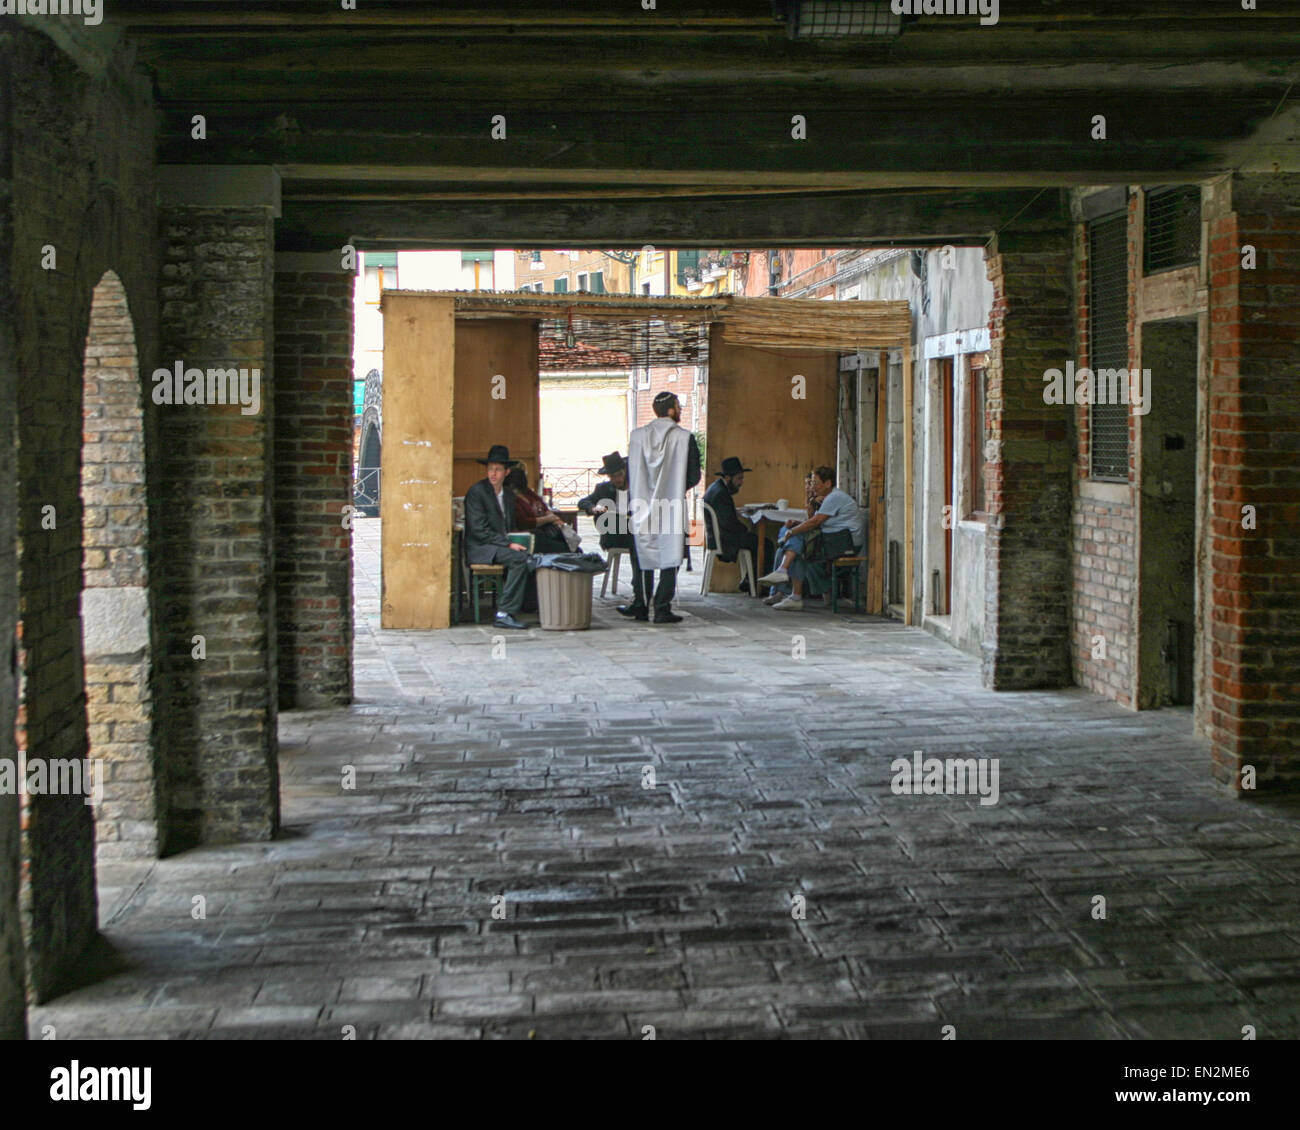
(812, 220)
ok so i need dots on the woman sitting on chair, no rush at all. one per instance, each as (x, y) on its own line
(532, 513)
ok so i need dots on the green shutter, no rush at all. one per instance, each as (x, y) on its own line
(597, 282)
(686, 261)
(561, 286)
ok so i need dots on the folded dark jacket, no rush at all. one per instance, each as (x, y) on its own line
(570, 562)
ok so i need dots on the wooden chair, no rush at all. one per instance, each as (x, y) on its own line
(859, 589)
(744, 559)
(490, 576)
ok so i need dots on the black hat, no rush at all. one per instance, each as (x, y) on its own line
(731, 466)
(613, 463)
(499, 453)
(665, 397)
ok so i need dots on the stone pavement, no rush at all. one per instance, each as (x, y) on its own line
(515, 768)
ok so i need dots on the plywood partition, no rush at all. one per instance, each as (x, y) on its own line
(755, 414)
(416, 475)
(487, 350)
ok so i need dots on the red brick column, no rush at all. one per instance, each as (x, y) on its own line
(1027, 485)
(1254, 419)
(313, 479)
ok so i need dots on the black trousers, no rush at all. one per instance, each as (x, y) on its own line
(643, 585)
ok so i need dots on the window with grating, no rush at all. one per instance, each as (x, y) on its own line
(820, 19)
(1172, 228)
(1108, 341)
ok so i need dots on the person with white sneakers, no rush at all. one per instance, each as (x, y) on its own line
(838, 522)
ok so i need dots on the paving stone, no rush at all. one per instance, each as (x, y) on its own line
(672, 906)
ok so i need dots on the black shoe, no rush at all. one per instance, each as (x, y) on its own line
(636, 612)
(668, 618)
(505, 620)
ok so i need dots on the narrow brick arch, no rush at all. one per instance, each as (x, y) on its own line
(114, 599)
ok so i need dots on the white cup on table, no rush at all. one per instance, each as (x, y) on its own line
(782, 503)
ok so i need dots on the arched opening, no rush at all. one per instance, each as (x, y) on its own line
(114, 598)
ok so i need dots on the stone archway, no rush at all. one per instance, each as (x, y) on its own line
(114, 598)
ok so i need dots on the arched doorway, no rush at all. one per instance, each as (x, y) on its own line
(114, 599)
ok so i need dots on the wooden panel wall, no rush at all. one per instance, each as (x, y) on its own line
(485, 349)
(416, 475)
(753, 415)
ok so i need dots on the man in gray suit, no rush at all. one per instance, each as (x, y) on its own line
(487, 504)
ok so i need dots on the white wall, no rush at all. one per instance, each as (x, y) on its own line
(428, 270)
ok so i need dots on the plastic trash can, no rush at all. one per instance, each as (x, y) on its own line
(564, 599)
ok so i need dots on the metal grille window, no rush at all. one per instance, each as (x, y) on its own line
(1108, 341)
(1172, 229)
(819, 19)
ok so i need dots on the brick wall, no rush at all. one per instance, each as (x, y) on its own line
(1027, 486)
(83, 183)
(217, 558)
(694, 419)
(313, 483)
(115, 525)
(1102, 599)
(1254, 410)
(1104, 532)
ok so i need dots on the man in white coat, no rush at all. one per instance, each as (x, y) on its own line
(663, 464)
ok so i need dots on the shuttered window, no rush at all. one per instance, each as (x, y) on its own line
(1108, 341)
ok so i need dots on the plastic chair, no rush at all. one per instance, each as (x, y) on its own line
(744, 559)
(615, 559)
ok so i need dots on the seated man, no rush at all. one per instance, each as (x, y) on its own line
(838, 523)
(608, 505)
(734, 533)
(611, 495)
(487, 503)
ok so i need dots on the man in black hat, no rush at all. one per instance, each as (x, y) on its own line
(610, 499)
(489, 510)
(734, 533)
(663, 464)
(608, 505)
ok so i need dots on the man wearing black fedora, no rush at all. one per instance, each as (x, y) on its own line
(489, 509)
(721, 497)
(608, 504)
